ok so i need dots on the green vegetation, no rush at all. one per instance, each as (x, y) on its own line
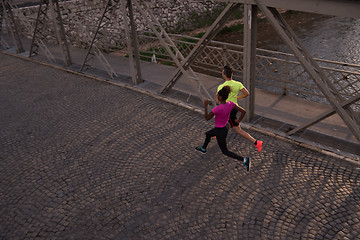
(199, 35)
(145, 56)
(204, 19)
(233, 28)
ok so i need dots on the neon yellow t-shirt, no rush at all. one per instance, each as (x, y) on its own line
(235, 88)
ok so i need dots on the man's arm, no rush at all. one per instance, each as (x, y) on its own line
(244, 93)
(242, 113)
(207, 115)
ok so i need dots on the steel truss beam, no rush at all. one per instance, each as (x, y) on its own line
(171, 48)
(249, 62)
(37, 43)
(3, 43)
(1, 15)
(324, 115)
(94, 50)
(212, 31)
(132, 42)
(42, 17)
(341, 8)
(60, 31)
(11, 24)
(350, 118)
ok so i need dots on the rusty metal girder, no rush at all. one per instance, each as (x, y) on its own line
(172, 49)
(7, 14)
(249, 59)
(94, 50)
(42, 18)
(203, 42)
(132, 42)
(341, 8)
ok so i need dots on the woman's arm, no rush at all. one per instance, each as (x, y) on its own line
(207, 115)
(217, 99)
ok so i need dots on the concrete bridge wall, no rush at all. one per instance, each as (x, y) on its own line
(176, 16)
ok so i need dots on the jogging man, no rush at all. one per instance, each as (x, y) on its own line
(236, 88)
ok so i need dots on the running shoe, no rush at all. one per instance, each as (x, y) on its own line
(259, 145)
(247, 163)
(201, 149)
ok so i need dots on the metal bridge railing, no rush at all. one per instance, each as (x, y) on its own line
(275, 71)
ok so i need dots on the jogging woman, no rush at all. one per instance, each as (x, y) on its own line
(222, 114)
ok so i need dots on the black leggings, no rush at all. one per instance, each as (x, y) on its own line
(221, 134)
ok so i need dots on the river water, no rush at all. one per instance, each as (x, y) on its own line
(335, 38)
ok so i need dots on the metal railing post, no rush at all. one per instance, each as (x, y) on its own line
(249, 72)
(286, 75)
(225, 55)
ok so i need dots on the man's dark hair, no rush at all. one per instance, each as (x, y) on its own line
(228, 71)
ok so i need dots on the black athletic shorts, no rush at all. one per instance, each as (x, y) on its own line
(233, 117)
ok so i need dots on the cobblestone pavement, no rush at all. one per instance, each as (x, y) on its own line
(83, 159)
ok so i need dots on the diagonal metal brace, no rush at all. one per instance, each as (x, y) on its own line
(93, 48)
(132, 42)
(212, 31)
(42, 18)
(172, 49)
(12, 25)
(60, 31)
(324, 115)
(37, 43)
